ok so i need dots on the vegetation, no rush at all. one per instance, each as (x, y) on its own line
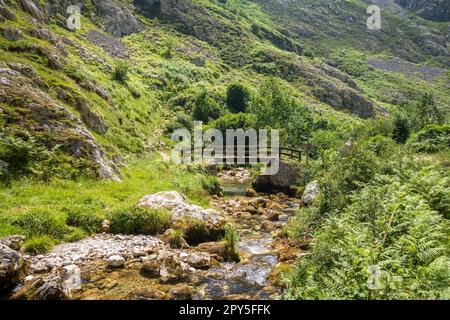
(139, 220)
(231, 238)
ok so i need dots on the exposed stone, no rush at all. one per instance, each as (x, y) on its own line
(148, 294)
(311, 192)
(116, 261)
(199, 260)
(33, 9)
(12, 34)
(286, 177)
(52, 289)
(198, 224)
(182, 291)
(13, 267)
(109, 44)
(14, 242)
(116, 18)
(219, 249)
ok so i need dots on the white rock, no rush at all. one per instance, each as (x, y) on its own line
(116, 261)
(312, 190)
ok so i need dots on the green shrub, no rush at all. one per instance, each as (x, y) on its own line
(38, 244)
(120, 71)
(86, 220)
(238, 97)
(205, 108)
(139, 220)
(234, 121)
(432, 138)
(212, 185)
(41, 223)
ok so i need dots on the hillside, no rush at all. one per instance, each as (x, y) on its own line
(86, 114)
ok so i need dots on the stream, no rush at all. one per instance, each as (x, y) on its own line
(82, 269)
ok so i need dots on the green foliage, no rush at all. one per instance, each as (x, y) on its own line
(238, 97)
(212, 185)
(205, 108)
(139, 220)
(41, 223)
(388, 225)
(431, 139)
(120, 71)
(414, 116)
(234, 121)
(231, 238)
(38, 244)
(88, 221)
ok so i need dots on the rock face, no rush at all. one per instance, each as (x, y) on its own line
(436, 10)
(116, 18)
(198, 224)
(287, 176)
(312, 190)
(13, 267)
(42, 116)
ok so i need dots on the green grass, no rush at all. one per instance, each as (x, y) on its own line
(37, 208)
(138, 220)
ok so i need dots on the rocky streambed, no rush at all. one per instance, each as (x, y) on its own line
(107, 266)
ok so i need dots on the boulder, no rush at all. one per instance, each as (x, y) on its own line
(52, 289)
(13, 267)
(182, 291)
(116, 261)
(148, 294)
(218, 249)
(199, 260)
(287, 176)
(33, 9)
(13, 242)
(311, 192)
(198, 224)
(168, 266)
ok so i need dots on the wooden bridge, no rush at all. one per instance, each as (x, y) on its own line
(246, 154)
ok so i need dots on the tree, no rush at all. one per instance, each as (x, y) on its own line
(238, 97)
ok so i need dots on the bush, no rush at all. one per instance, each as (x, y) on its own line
(212, 185)
(41, 223)
(205, 108)
(432, 138)
(86, 220)
(138, 220)
(238, 97)
(38, 244)
(234, 121)
(120, 71)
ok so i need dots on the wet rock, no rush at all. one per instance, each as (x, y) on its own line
(168, 266)
(250, 193)
(311, 192)
(13, 267)
(52, 289)
(200, 260)
(72, 279)
(116, 261)
(219, 249)
(287, 176)
(148, 294)
(174, 239)
(182, 291)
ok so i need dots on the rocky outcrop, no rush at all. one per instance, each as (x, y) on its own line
(198, 224)
(109, 44)
(436, 10)
(286, 177)
(13, 267)
(34, 110)
(33, 9)
(116, 19)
